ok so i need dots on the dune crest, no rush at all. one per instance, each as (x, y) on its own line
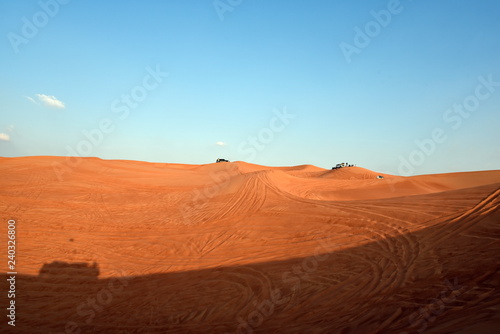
(237, 247)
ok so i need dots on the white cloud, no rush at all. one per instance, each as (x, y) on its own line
(31, 99)
(50, 101)
(4, 137)
(220, 143)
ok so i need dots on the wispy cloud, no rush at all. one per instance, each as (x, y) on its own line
(4, 137)
(50, 101)
(47, 100)
(31, 99)
(220, 143)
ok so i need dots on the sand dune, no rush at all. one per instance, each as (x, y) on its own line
(243, 248)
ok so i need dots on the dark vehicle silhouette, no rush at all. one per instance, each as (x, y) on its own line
(69, 271)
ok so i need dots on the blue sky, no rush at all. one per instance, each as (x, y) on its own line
(270, 82)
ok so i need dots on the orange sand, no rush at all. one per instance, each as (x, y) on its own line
(241, 248)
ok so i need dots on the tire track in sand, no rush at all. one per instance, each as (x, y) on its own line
(396, 249)
(463, 221)
(248, 199)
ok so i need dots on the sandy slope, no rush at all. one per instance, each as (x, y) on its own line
(238, 247)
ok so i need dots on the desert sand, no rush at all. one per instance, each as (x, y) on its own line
(113, 246)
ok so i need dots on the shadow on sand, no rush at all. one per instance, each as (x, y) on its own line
(441, 278)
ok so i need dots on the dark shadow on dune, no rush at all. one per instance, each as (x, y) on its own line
(78, 271)
(381, 286)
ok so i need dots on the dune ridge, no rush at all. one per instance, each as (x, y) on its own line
(201, 246)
